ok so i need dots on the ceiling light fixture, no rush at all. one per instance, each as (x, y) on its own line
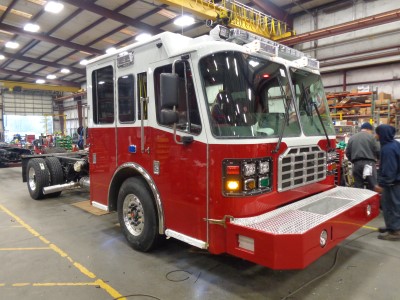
(40, 81)
(184, 21)
(12, 45)
(111, 50)
(31, 27)
(51, 76)
(54, 7)
(142, 37)
(65, 71)
(83, 62)
(2, 57)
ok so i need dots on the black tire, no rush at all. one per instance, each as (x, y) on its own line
(56, 173)
(37, 177)
(137, 215)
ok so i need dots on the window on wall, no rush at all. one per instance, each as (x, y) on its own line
(189, 116)
(126, 99)
(103, 95)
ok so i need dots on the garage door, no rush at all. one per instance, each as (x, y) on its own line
(27, 104)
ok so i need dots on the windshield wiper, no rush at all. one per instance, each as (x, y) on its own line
(286, 120)
(310, 103)
(307, 103)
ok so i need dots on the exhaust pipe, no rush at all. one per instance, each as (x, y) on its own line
(59, 187)
(84, 182)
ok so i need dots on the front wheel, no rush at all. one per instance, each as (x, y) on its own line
(137, 214)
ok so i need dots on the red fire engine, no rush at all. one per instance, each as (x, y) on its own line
(224, 142)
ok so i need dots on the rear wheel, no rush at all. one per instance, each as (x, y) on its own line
(56, 173)
(38, 177)
(137, 214)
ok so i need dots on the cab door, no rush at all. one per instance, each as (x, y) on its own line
(133, 132)
(102, 132)
(181, 167)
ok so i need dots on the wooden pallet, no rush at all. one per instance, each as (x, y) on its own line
(85, 205)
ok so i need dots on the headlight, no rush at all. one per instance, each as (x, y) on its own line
(331, 156)
(263, 167)
(263, 182)
(249, 184)
(232, 185)
(249, 169)
(245, 177)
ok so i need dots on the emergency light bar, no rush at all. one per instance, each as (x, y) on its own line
(289, 53)
(260, 44)
(313, 63)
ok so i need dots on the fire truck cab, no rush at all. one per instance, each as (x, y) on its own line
(224, 142)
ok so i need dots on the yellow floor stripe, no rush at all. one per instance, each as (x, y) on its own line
(84, 270)
(50, 284)
(46, 284)
(44, 240)
(370, 227)
(21, 284)
(99, 283)
(111, 291)
(58, 250)
(23, 249)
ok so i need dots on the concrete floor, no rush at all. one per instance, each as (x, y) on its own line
(50, 249)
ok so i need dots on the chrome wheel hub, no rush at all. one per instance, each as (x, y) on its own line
(32, 179)
(133, 214)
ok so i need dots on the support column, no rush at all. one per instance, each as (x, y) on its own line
(61, 117)
(79, 107)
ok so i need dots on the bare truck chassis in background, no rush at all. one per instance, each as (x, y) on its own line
(50, 174)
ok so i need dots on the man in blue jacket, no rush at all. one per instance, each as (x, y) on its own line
(389, 182)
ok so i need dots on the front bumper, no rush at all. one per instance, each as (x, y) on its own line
(290, 237)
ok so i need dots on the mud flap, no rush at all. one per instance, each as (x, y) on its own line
(293, 236)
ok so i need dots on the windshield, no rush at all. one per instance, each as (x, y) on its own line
(247, 96)
(310, 93)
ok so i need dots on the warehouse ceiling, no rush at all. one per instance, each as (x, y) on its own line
(87, 28)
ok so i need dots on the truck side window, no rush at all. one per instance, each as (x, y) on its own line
(189, 116)
(142, 93)
(103, 95)
(126, 99)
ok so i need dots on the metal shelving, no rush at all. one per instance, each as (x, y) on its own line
(353, 105)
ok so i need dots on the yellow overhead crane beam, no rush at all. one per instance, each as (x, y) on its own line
(11, 85)
(235, 14)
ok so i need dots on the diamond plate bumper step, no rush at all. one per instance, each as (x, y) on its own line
(290, 237)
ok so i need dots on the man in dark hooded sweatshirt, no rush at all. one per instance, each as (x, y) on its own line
(389, 182)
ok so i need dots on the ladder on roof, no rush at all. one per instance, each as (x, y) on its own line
(237, 15)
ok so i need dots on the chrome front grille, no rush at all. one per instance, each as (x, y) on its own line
(301, 165)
